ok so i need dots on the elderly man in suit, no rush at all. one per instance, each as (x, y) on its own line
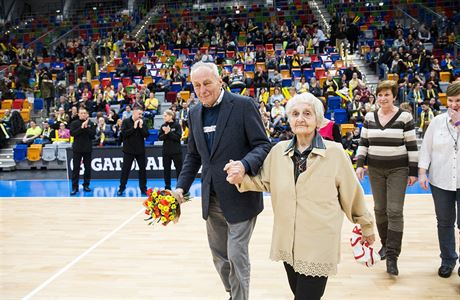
(224, 126)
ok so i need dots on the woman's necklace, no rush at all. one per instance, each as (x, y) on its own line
(452, 136)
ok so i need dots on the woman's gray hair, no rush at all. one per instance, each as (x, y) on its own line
(309, 99)
(208, 65)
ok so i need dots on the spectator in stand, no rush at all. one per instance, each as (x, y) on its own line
(276, 79)
(416, 95)
(151, 106)
(302, 86)
(47, 92)
(314, 87)
(63, 134)
(278, 114)
(388, 143)
(424, 34)
(426, 116)
(330, 86)
(439, 155)
(104, 134)
(116, 129)
(260, 78)
(127, 113)
(47, 133)
(32, 133)
(277, 95)
(84, 84)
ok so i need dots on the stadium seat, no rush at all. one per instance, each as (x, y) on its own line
(443, 98)
(344, 128)
(334, 102)
(171, 97)
(176, 87)
(7, 104)
(38, 104)
(185, 95)
(444, 76)
(25, 114)
(62, 154)
(17, 104)
(20, 152)
(34, 152)
(286, 82)
(340, 116)
(49, 152)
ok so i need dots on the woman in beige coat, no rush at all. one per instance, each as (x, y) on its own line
(312, 184)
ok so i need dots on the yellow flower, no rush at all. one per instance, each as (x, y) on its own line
(171, 218)
(165, 208)
(160, 206)
(173, 206)
(163, 219)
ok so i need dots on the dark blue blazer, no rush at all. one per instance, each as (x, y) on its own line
(239, 135)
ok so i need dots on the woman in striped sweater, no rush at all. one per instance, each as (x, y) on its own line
(388, 144)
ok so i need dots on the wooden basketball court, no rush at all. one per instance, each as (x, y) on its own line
(100, 248)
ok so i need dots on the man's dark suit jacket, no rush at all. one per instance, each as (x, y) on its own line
(133, 138)
(83, 137)
(239, 135)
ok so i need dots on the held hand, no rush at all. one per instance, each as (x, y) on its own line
(454, 115)
(141, 122)
(370, 239)
(136, 123)
(423, 180)
(166, 129)
(235, 171)
(360, 173)
(179, 195)
(411, 180)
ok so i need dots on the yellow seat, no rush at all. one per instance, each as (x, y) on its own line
(148, 80)
(163, 59)
(95, 82)
(393, 77)
(285, 73)
(2, 113)
(344, 128)
(7, 103)
(249, 74)
(34, 152)
(321, 81)
(444, 76)
(26, 104)
(339, 64)
(261, 65)
(443, 98)
(185, 95)
(111, 68)
(179, 63)
(25, 114)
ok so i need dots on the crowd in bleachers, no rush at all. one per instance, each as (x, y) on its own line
(270, 62)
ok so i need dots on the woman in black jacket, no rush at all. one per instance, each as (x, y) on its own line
(170, 134)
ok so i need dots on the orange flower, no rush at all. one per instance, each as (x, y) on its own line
(149, 192)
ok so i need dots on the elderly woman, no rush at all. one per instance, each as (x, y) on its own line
(389, 145)
(307, 219)
(440, 155)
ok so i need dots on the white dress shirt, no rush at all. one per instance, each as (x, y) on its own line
(438, 154)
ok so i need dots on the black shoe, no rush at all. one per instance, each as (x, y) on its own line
(144, 192)
(445, 271)
(392, 266)
(383, 253)
(120, 192)
(86, 189)
(73, 192)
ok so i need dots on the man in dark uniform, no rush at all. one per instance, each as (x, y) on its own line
(133, 134)
(83, 131)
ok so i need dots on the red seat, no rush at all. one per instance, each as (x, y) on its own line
(126, 81)
(17, 104)
(171, 97)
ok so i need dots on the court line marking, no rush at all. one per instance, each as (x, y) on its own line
(78, 258)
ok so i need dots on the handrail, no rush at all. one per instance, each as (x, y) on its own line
(407, 15)
(430, 10)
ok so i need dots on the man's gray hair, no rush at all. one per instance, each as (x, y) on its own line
(309, 99)
(208, 65)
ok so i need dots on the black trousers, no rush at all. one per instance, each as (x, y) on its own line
(167, 159)
(77, 156)
(305, 287)
(127, 163)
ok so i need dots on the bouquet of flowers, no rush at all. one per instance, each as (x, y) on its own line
(162, 206)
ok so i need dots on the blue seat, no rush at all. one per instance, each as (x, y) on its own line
(286, 82)
(340, 116)
(333, 102)
(249, 68)
(20, 152)
(176, 87)
(308, 73)
(316, 64)
(38, 104)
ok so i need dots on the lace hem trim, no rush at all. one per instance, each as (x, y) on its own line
(305, 267)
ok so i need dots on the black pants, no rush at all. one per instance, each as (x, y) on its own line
(305, 287)
(127, 163)
(167, 159)
(77, 156)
